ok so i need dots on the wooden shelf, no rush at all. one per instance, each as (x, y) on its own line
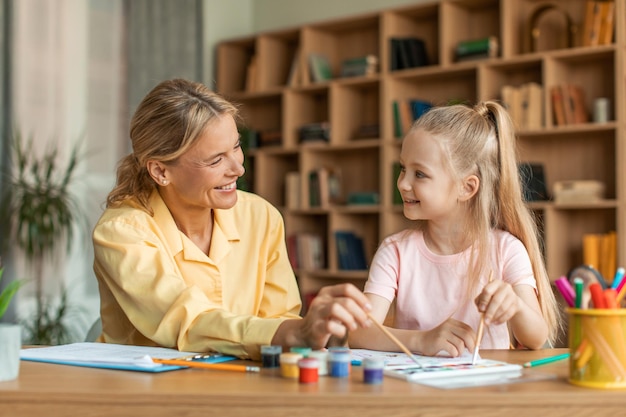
(584, 151)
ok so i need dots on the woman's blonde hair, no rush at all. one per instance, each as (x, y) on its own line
(480, 140)
(167, 122)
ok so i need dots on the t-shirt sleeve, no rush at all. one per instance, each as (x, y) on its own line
(516, 268)
(384, 272)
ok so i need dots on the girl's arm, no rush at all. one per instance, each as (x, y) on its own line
(452, 336)
(519, 305)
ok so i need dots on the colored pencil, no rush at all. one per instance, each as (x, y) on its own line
(394, 340)
(205, 365)
(544, 361)
(481, 329)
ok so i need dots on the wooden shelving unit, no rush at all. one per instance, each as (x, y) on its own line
(572, 152)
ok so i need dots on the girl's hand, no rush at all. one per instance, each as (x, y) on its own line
(333, 312)
(452, 336)
(498, 302)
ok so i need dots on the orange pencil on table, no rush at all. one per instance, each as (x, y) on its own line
(205, 365)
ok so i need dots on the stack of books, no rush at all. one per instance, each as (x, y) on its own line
(359, 66)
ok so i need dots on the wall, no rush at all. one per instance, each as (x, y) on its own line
(298, 12)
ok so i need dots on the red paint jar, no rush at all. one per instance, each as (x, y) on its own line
(308, 370)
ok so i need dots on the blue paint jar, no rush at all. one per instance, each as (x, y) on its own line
(339, 362)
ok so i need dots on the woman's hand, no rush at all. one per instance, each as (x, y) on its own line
(334, 311)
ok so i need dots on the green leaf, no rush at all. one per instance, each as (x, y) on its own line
(7, 294)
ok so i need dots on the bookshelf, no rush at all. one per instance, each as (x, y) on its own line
(278, 102)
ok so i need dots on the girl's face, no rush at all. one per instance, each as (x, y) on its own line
(428, 189)
(205, 176)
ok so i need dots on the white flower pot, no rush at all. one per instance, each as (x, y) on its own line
(10, 345)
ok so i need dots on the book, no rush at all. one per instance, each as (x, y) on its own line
(558, 109)
(532, 114)
(483, 47)
(396, 168)
(319, 131)
(114, 356)
(406, 116)
(592, 23)
(350, 251)
(607, 22)
(397, 122)
(577, 97)
(294, 78)
(511, 99)
(292, 190)
(320, 68)
(359, 66)
(409, 52)
(399, 365)
(419, 107)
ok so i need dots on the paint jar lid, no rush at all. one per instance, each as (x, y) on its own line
(304, 351)
(339, 356)
(271, 349)
(290, 358)
(373, 363)
(308, 363)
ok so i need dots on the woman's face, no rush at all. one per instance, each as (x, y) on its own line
(205, 176)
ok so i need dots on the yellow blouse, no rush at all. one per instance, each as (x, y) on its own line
(158, 288)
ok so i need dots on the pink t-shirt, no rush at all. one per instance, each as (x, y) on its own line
(429, 288)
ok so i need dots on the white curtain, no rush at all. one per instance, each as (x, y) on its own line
(69, 84)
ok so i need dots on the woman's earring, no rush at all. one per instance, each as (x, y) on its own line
(164, 182)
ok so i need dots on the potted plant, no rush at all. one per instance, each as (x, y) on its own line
(10, 334)
(40, 214)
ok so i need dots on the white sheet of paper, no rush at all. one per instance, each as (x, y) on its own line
(106, 353)
(400, 358)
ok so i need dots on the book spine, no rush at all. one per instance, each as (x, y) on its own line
(488, 45)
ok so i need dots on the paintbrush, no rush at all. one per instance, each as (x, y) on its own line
(394, 340)
(481, 329)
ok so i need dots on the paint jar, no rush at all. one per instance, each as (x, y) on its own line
(322, 357)
(289, 365)
(308, 368)
(304, 351)
(339, 362)
(597, 342)
(373, 370)
(270, 356)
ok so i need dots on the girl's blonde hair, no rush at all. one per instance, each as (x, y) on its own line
(480, 140)
(167, 122)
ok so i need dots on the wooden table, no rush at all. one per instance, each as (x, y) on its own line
(59, 390)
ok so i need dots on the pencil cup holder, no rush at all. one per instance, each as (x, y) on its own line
(597, 343)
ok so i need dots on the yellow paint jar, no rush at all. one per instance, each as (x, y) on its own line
(289, 365)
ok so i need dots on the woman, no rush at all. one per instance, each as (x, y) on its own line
(185, 260)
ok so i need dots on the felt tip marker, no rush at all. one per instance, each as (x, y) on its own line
(545, 361)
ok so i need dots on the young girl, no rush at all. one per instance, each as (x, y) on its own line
(460, 183)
